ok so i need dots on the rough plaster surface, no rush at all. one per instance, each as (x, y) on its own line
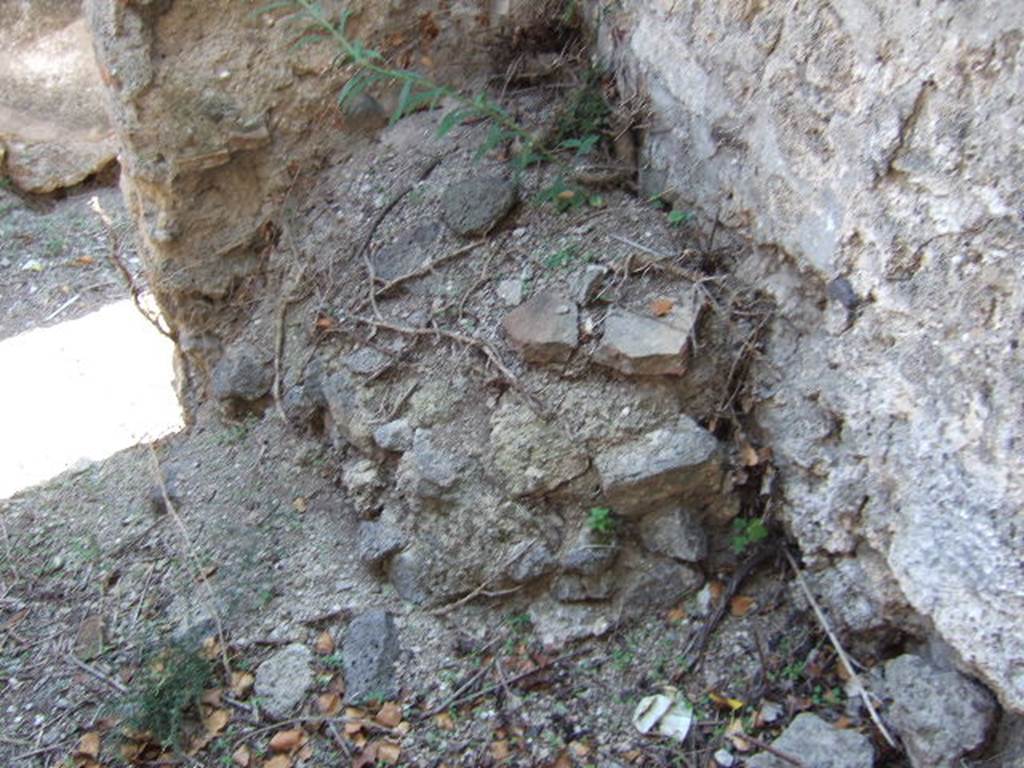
(879, 143)
(220, 121)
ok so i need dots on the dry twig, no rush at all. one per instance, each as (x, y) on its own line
(190, 556)
(858, 683)
(93, 672)
(114, 254)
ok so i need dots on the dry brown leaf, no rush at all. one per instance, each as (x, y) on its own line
(89, 745)
(676, 615)
(198, 744)
(329, 704)
(217, 720)
(242, 683)
(734, 733)
(368, 756)
(278, 761)
(130, 750)
(843, 723)
(748, 455)
(324, 644)
(210, 649)
(403, 728)
(211, 697)
(724, 702)
(84, 261)
(716, 589)
(242, 757)
(207, 572)
(741, 605)
(351, 729)
(354, 713)
(444, 722)
(389, 715)
(286, 741)
(300, 505)
(563, 761)
(389, 752)
(661, 306)
(579, 748)
(499, 750)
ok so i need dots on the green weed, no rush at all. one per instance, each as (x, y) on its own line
(601, 521)
(747, 531)
(169, 685)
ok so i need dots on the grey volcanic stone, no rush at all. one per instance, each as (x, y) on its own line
(939, 714)
(534, 562)
(573, 588)
(529, 455)
(643, 346)
(429, 471)
(475, 206)
(350, 421)
(303, 402)
(283, 679)
(369, 652)
(395, 436)
(590, 554)
(676, 532)
(816, 743)
(658, 585)
(678, 461)
(241, 375)
(544, 329)
(378, 541)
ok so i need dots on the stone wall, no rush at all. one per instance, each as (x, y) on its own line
(869, 154)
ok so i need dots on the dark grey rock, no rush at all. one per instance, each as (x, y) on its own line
(349, 420)
(395, 436)
(681, 461)
(573, 588)
(378, 541)
(676, 532)
(590, 554)
(658, 585)
(283, 679)
(816, 743)
(475, 206)
(369, 652)
(429, 471)
(841, 290)
(302, 403)
(535, 561)
(544, 329)
(940, 714)
(407, 252)
(644, 346)
(241, 375)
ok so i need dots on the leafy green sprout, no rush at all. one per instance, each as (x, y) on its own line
(171, 683)
(677, 218)
(747, 531)
(601, 521)
(579, 127)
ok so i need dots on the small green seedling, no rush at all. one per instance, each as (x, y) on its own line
(747, 531)
(677, 218)
(601, 521)
(171, 684)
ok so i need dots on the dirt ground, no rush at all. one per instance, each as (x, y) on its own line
(97, 578)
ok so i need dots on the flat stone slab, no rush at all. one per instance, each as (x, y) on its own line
(474, 207)
(644, 346)
(680, 461)
(815, 742)
(53, 120)
(545, 329)
(940, 715)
